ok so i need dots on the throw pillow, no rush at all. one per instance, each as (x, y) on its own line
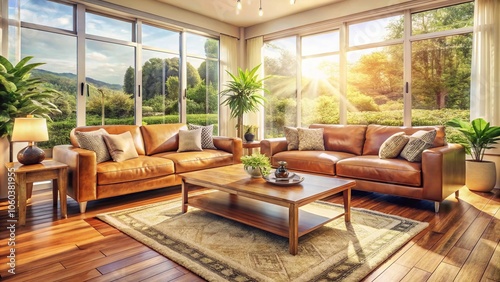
(207, 140)
(190, 140)
(311, 139)
(121, 147)
(392, 147)
(93, 140)
(419, 141)
(292, 138)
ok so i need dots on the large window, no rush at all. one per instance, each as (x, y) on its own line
(377, 82)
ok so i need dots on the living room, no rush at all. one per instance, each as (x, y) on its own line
(351, 62)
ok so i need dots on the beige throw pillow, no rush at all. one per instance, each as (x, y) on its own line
(292, 138)
(93, 140)
(392, 147)
(190, 140)
(121, 147)
(419, 141)
(311, 139)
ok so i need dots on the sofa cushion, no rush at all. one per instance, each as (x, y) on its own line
(190, 140)
(373, 168)
(377, 134)
(343, 138)
(310, 161)
(393, 146)
(197, 160)
(292, 137)
(120, 146)
(94, 141)
(161, 137)
(135, 130)
(311, 139)
(139, 168)
(419, 141)
(207, 139)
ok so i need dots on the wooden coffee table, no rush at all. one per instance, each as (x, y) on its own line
(263, 205)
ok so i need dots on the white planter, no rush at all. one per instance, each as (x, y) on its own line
(480, 176)
(253, 172)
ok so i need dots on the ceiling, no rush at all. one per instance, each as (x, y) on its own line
(225, 10)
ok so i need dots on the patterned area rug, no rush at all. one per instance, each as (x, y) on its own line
(218, 249)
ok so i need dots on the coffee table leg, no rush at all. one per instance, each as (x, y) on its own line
(293, 225)
(347, 204)
(184, 196)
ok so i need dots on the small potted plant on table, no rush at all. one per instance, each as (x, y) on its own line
(256, 165)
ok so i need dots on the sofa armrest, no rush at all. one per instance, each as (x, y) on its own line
(82, 171)
(231, 145)
(272, 146)
(443, 171)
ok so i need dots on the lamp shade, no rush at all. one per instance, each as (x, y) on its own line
(30, 130)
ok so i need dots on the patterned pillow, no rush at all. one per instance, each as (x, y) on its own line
(419, 141)
(207, 140)
(190, 140)
(311, 139)
(392, 147)
(93, 141)
(292, 138)
(121, 147)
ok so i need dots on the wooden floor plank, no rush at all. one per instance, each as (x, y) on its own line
(74, 249)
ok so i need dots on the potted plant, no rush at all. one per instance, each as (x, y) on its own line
(256, 165)
(243, 94)
(21, 95)
(479, 137)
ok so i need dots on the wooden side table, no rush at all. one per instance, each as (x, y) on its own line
(47, 170)
(248, 146)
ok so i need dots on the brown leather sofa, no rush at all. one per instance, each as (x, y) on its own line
(157, 166)
(351, 152)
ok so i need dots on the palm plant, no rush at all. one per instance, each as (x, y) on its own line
(243, 94)
(21, 95)
(479, 136)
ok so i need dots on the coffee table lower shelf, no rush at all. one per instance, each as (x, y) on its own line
(265, 216)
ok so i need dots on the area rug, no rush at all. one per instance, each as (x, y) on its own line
(219, 249)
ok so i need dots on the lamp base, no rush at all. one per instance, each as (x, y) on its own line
(31, 155)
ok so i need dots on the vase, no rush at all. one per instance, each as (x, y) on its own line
(480, 176)
(281, 171)
(249, 137)
(254, 172)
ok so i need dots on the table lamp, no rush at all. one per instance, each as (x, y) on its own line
(31, 130)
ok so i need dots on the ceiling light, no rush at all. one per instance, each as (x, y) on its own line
(238, 4)
(260, 9)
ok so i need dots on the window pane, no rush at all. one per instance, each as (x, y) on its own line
(160, 38)
(320, 90)
(48, 13)
(160, 87)
(320, 43)
(441, 69)
(280, 62)
(374, 86)
(108, 66)
(58, 52)
(447, 18)
(108, 27)
(202, 105)
(376, 31)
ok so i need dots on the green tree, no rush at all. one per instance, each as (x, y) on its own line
(129, 81)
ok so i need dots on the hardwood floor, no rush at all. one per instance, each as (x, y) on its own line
(460, 244)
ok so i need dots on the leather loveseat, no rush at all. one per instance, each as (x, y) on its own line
(352, 152)
(157, 165)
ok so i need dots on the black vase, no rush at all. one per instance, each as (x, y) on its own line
(249, 137)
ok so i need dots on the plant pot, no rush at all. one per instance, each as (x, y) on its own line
(253, 172)
(480, 176)
(249, 137)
